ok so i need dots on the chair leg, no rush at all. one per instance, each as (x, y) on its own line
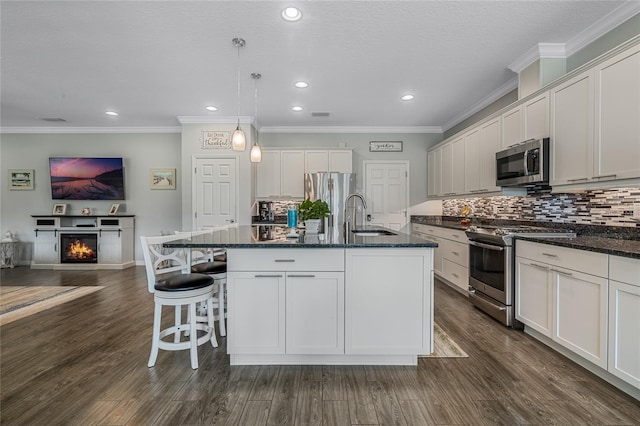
(211, 323)
(155, 338)
(193, 337)
(177, 323)
(221, 287)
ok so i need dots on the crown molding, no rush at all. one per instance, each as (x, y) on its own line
(351, 129)
(608, 22)
(541, 50)
(90, 130)
(478, 106)
(194, 119)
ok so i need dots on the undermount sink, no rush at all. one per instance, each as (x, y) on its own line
(372, 232)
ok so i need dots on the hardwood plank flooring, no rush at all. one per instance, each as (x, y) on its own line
(84, 362)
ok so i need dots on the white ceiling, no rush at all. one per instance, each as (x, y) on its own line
(155, 61)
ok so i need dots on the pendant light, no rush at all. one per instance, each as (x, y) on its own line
(256, 151)
(238, 138)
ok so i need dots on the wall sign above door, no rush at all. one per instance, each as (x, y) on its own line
(215, 140)
(385, 146)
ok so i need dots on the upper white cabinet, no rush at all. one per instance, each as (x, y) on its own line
(481, 145)
(617, 117)
(528, 120)
(280, 174)
(340, 161)
(452, 168)
(512, 129)
(434, 163)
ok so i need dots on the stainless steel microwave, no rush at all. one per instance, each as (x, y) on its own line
(523, 164)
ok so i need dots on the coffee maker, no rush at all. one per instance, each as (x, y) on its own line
(265, 211)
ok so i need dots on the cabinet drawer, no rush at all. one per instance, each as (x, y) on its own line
(453, 235)
(427, 230)
(456, 252)
(578, 260)
(457, 274)
(286, 260)
(624, 269)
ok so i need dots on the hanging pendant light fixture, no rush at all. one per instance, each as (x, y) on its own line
(238, 138)
(256, 151)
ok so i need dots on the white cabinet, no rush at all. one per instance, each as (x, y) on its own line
(617, 127)
(337, 160)
(386, 292)
(315, 313)
(110, 247)
(452, 168)
(624, 319)
(481, 145)
(45, 247)
(577, 282)
(430, 233)
(434, 164)
(280, 174)
(512, 127)
(529, 120)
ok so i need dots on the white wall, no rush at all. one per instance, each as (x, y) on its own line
(155, 210)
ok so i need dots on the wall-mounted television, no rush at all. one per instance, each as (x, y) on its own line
(84, 178)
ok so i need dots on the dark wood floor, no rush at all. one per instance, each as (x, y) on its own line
(84, 363)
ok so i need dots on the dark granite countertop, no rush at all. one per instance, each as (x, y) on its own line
(614, 240)
(275, 237)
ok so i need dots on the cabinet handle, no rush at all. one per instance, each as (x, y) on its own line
(301, 276)
(561, 272)
(456, 253)
(549, 255)
(267, 276)
(449, 193)
(604, 176)
(284, 260)
(535, 265)
(576, 180)
(455, 275)
(455, 236)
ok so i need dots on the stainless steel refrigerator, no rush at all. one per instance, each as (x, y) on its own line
(333, 188)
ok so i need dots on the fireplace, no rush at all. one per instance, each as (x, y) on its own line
(79, 248)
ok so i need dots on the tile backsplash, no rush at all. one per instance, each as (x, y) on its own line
(611, 207)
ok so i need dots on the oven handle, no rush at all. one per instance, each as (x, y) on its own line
(486, 246)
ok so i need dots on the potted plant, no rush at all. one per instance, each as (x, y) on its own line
(311, 213)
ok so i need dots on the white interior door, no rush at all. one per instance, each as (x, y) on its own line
(387, 193)
(215, 191)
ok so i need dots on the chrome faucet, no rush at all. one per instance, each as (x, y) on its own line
(354, 216)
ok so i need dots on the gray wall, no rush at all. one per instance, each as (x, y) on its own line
(504, 101)
(155, 210)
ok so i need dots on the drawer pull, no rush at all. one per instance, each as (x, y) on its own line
(562, 272)
(267, 276)
(455, 275)
(535, 265)
(301, 276)
(284, 260)
(576, 180)
(604, 176)
(455, 236)
(549, 254)
(456, 253)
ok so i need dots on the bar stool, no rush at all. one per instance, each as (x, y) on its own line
(172, 284)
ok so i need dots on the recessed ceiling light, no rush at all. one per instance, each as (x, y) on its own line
(291, 14)
(211, 108)
(111, 113)
(407, 97)
(301, 84)
(296, 108)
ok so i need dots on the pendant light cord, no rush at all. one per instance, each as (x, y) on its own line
(238, 45)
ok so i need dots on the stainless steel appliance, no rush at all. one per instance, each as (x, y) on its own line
(265, 211)
(333, 188)
(523, 164)
(491, 267)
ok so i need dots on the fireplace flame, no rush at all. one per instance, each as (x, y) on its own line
(79, 250)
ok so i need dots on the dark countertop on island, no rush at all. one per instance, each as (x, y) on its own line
(614, 240)
(275, 237)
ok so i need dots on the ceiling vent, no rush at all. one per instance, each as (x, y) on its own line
(320, 114)
(54, 119)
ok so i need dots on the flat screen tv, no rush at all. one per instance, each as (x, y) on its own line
(79, 178)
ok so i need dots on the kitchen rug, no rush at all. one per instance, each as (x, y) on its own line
(444, 346)
(20, 301)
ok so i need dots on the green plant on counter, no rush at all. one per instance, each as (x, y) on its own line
(317, 209)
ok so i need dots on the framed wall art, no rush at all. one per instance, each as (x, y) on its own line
(20, 179)
(163, 179)
(59, 209)
(385, 146)
(114, 209)
(216, 139)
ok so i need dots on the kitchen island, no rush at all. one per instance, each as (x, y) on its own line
(316, 300)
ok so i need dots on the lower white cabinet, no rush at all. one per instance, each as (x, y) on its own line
(45, 247)
(533, 295)
(624, 319)
(315, 313)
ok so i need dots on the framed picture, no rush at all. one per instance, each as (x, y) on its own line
(20, 179)
(59, 209)
(163, 179)
(215, 140)
(114, 209)
(385, 146)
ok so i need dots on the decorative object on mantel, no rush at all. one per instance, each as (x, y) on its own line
(215, 139)
(238, 138)
(59, 209)
(86, 211)
(162, 179)
(385, 146)
(256, 151)
(20, 180)
(114, 209)
(311, 213)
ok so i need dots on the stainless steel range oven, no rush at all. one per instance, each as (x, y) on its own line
(491, 268)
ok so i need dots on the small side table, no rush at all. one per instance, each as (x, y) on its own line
(8, 253)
